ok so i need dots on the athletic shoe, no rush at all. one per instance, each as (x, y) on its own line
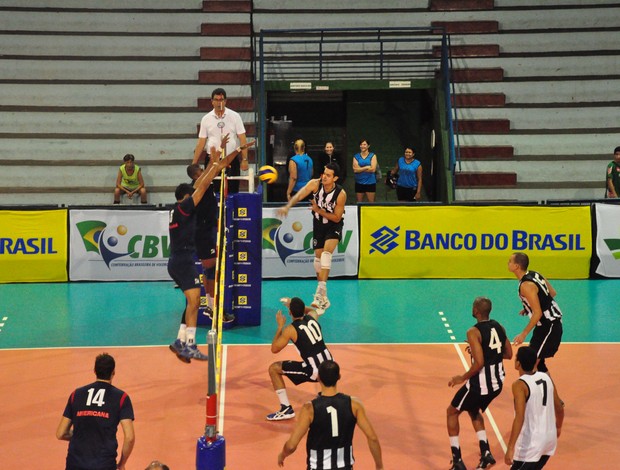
(228, 318)
(285, 412)
(320, 302)
(458, 465)
(486, 461)
(324, 302)
(178, 347)
(191, 351)
(209, 312)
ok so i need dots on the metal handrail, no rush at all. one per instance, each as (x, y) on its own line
(323, 54)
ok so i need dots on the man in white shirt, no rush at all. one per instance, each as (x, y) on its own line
(215, 125)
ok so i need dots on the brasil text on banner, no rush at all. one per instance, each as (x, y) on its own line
(33, 246)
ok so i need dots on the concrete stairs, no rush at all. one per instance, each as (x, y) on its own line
(535, 105)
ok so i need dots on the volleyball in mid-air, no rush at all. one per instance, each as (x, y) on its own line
(267, 174)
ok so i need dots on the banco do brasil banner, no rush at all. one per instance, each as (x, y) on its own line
(473, 242)
(33, 246)
(119, 245)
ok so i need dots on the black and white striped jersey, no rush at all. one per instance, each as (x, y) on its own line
(491, 377)
(326, 201)
(551, 310)
(310, 344)
(330, 438)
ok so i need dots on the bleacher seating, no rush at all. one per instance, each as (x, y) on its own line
(85, 82)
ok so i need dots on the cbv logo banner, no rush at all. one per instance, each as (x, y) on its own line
(111, 245)
(287, 244)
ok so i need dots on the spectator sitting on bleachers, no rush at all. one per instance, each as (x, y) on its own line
(129, 180)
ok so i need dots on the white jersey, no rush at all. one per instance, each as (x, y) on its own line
(538, 436)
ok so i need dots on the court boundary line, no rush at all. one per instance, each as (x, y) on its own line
(492, 422)
(267, 344)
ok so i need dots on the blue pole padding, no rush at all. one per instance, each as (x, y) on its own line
(211, 455)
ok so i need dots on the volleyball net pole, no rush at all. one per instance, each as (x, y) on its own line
(211, 447)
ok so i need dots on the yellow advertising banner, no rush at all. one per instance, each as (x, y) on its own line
(33, 246)
(473, 241)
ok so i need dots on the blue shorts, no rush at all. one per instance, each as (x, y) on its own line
(206, 242)
(182, 270)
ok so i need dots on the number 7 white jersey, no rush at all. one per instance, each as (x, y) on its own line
(538, 436)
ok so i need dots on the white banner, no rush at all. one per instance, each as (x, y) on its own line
(109, 245)
(287, 244)
(608, 239)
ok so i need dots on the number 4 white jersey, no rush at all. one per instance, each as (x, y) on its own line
(538, 436)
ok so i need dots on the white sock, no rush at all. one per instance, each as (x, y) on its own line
(283, 397)
(454, 442)
(482, 435)
(210, 301)
(322, 288)
(181, 335)
(191, 335)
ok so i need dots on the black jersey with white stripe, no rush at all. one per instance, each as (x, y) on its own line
(326, 201)
(491, 377)
(309, 343)
(330, 438)
(550, 309)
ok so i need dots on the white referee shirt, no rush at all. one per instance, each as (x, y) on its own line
(538, 436)
(214, 128)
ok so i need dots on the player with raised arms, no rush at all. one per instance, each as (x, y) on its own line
(327, 204)
(181, 266)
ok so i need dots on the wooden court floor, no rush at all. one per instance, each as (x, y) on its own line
(392, 342)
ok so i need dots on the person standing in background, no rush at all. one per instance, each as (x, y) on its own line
(329, 155)
(409, 171)
(299, 169)
(215, 125)
(364, 168)
(613, 176)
